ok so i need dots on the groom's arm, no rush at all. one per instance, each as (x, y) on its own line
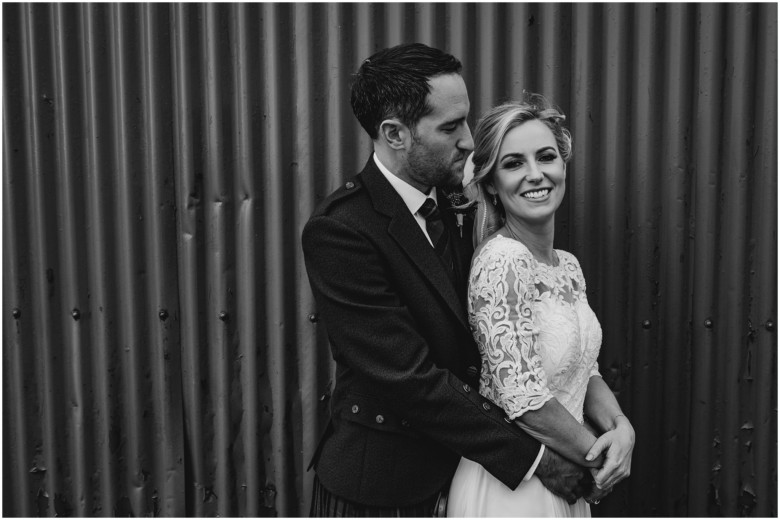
(373, 332)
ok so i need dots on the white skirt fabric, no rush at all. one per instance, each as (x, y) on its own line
(476, 493)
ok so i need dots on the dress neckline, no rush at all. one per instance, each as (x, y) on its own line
(538, 262)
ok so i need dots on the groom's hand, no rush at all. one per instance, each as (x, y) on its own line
(561, 476)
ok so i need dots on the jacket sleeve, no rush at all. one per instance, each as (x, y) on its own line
(373, 333)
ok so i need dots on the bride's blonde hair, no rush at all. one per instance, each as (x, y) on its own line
(488, 136)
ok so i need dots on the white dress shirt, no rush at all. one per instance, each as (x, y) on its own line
(412, 197)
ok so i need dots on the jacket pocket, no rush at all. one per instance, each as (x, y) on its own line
(372, 413)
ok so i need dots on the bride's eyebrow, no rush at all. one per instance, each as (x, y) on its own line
(511, 155)
(520, 155)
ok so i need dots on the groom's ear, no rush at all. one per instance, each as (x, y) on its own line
(395, 134)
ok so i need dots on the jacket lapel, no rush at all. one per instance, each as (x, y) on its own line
(404, 230)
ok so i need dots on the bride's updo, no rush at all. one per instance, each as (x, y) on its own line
(488, 136)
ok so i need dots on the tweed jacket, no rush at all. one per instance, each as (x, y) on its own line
(405, 405)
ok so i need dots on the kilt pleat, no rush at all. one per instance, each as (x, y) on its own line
(326, 504)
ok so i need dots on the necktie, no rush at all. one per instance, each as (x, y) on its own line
(438, 234)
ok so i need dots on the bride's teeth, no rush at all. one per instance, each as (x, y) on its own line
(536, 194)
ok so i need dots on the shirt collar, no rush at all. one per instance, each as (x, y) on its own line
(412, 197)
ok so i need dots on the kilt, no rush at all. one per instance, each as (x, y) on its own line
(326, 504)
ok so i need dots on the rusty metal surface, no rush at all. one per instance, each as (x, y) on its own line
(162, 353)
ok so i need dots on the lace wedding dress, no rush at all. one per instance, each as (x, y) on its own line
(539, 339)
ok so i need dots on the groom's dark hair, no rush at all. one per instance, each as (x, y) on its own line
(394, 83)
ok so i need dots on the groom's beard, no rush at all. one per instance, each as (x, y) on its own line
(432, 169)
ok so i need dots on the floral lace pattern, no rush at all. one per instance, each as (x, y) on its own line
(537, 335)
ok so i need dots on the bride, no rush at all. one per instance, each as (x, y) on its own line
(529, 314)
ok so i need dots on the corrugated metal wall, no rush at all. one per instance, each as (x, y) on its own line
(161, 351)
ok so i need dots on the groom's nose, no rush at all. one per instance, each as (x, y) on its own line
(466, 142)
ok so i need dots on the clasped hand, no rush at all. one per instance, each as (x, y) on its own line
(617, 446)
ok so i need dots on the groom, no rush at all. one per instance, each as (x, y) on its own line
(388, 259)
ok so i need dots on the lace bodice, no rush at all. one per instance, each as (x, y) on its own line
(537, 335)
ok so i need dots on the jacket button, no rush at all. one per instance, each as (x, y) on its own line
(471, 371)
(380, 419)
(350, 185)
(355, 408)
(486, 406)
(404, 423)
(466, 388)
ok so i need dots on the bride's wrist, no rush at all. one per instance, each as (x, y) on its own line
(620, 420)
(622, 423)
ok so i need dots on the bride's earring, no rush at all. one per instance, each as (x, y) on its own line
(495, 200)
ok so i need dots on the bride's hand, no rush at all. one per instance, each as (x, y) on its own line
(617, 445)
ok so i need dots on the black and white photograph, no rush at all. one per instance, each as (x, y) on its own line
(325, 259)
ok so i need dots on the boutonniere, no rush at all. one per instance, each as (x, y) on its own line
(460, 205)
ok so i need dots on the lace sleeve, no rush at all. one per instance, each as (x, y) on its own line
(502, 300)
